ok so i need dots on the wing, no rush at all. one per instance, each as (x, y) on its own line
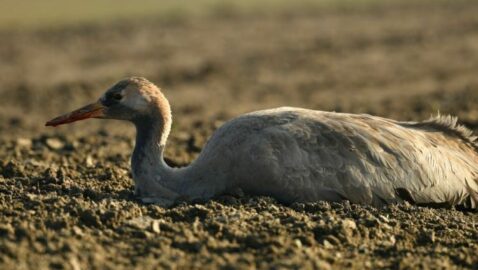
(304, 155)
(372, 160)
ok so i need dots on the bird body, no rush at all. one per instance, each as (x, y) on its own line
(300, 155)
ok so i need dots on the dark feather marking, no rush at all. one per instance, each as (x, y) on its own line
(405, 195)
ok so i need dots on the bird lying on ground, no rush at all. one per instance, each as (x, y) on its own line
(296, 155)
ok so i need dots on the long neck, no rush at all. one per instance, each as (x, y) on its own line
(150, 142)
(150, 173)
(153, 177)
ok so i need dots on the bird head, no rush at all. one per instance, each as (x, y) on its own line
(130, 99)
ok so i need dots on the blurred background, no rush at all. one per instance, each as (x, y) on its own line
(66, 194)
(216, 59)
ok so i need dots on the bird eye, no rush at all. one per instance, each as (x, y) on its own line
(117, 96)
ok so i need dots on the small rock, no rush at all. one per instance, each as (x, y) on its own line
(141, 234)
(363, 248)
(24, 142)
(392, 240)
(349, 224)
(54, 143)
(332, 240)
(383, 218)
(140, 222)
(386, 227)
(274, 208)
(298, 243)
(182, 136)
(327, 244)
(77, 230)
(155, 226)
(89, 161)
(196, 225)
(31, 196)
(35, 163)
(431, 236)
(75, 265)
(323, 265)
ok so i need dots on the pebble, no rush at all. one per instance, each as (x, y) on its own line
(155, 226)
(89, 161)
(54, 143)
(386, 227)
(333, 240)
(327, 244)
(392, 240)
(182, 136)
(383, 218)
(24, 142)
(431, 236)
(75, 265)
(323, 265)
(349, 224)
(141, 223)
(35, 163)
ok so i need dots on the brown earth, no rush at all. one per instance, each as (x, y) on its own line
(66, 198)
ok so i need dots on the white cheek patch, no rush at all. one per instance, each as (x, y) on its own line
(136, 102)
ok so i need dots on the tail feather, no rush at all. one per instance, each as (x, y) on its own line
(449, 124)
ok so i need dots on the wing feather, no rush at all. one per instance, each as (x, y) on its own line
(304, 155)
(367, 159)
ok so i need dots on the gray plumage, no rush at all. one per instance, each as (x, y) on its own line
(299, 155)
(303, 155)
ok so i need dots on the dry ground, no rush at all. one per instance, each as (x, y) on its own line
(66, 197)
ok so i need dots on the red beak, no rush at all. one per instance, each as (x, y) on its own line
(94, 110)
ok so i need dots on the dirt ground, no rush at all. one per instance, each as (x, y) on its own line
(66, 196)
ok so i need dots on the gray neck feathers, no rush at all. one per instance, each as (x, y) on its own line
(152, 131)
(147, 163)
(152, 176)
